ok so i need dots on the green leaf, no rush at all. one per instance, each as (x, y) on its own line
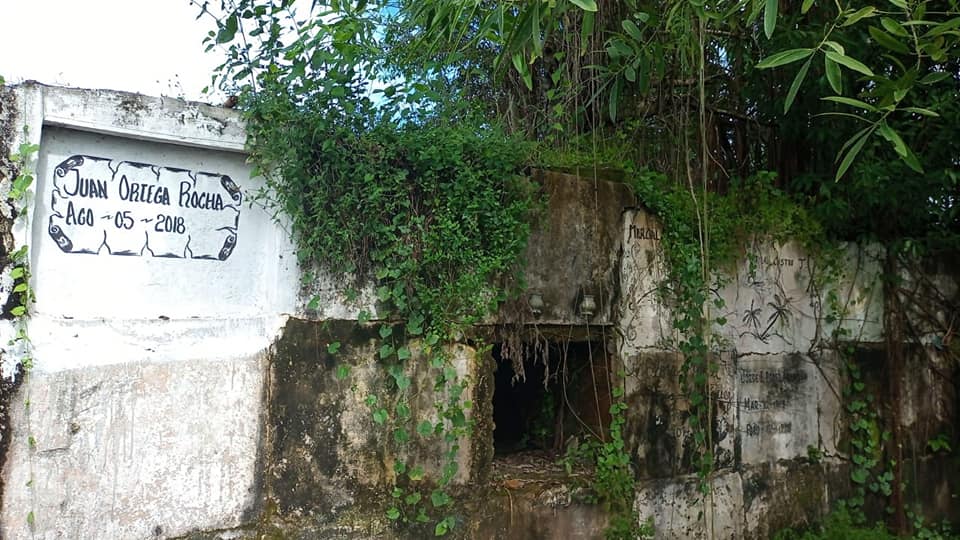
(859, 475)
(852, 153)
(22, 287)
(332, 348)
(386, 331)
(935, 77)
(440, 498)
(770, 17)
(17, 272)
(614, 99)
(852, 102)
(921, 111)
(619, 48)
(413, 498)
(343, 371)
(888, 41)
(861, 13)
(902, 4)
(18, 311)
(415, 324)
(380, 416)
(835, 46)
(911, 160)
(631, 28)
(386, 350)
(851, 63)
(403, 353)
(527, 76)
(424, 428)
(893, 138)
(393, 513)
(944, 27)
(805, 7)
(834, 76)
(586, 30)
(894, 27)
(228, 30)
(586, 5)
(784, 57)
(795, 86)
(523, 69)
(314, 303)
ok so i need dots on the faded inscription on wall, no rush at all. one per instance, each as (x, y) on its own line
(101, 205)
(638, 232)
(769, 390)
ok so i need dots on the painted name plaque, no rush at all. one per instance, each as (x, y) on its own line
(101, 205)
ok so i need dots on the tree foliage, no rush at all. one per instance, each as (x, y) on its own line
(386, 127)
(816, 91)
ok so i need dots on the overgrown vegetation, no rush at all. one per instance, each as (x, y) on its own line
(17, 173)
(842, 525)
(807, 120)
(417, 198)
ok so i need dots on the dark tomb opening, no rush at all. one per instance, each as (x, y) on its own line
(565, 394)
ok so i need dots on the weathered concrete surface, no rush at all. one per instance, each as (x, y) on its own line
(658, 409)
(643, 317)
(159, 409)
(135, 450)
(676, 505)
(790, 494)
(782, 403)
(327, 453)
(779, 300)
(535, 511)
(574, 248)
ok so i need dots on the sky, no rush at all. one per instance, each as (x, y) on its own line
(152, 47)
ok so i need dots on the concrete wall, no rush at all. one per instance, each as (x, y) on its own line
(154, 316)
(780, 424)
(182, 387)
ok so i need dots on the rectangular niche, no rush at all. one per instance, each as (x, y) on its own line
(548, 394)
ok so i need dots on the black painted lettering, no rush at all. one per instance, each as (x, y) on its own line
(200, 200)
(81, 216)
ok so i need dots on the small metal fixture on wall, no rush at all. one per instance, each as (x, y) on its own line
(536, 303)
(588, 306)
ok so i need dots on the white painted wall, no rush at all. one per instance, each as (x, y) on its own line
(145, 401)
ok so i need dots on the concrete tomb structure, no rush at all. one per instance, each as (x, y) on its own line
(183, 386)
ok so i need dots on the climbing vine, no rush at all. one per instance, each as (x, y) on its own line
(434, 216)
(752, 209)
(399, 183)
(21, 293)
(392, 188)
